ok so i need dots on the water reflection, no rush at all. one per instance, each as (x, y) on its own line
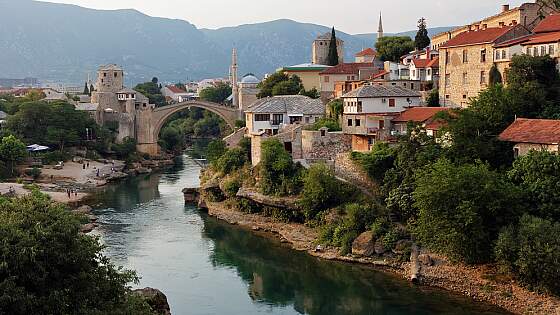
(280, 276)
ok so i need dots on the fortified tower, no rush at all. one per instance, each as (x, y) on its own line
(109, 81)
(321, 49)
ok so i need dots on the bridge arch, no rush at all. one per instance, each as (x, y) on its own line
(150, 126)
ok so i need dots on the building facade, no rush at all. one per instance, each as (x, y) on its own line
(320, 49)
(308, 73)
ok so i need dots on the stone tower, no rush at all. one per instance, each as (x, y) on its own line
(234, 86)
(110, 80)
(380, 27)
(320, 49)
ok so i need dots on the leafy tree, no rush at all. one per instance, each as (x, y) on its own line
(181, 86)
(62, 137)
(377, 162)
(217, 94)
(321, 191)
(171, 138)
(12, 150)
(462, 208)
(49, 267)
(433, 98)
(280, 83)
(86, 89)
(152, 91)
(335, 109)
(278, 173)
(392, 48)
(332, 58)
(495, 77)
(215, 150)
(331, 124)
(312, 93)
(538, 176)
(231, 160)
(155, 80)
(422, 40)
(531, 252)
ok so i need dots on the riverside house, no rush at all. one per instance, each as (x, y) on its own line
(533, 134)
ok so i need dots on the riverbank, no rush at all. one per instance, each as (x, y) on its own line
(476, 282)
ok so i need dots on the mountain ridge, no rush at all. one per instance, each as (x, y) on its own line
(64, 42)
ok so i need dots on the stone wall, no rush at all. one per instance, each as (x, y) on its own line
(323, 144)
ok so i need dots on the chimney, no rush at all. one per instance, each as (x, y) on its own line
(477, 27)
(505, 8)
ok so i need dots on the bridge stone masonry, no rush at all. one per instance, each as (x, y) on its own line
(150, 121)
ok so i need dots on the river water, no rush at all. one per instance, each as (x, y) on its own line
(205, 266)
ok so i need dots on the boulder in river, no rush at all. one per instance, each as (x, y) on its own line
(85, 210)
(364, 245)
(87, 228)
(156, 299)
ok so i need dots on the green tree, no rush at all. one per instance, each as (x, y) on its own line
(12, 150)
(377, 162)
(278, 173)
(321, 191)
(231, 160)
(462, 208)
(280, 83)
(531, 252)
(538, 176)
(49, 267)
(86, 89)
(332, 58)
(152, 91)
(216, 149)
(217, 94)
(125, 149)
(312, 93)
(62, 137)
(155, 80)
(433, 98)
(392, 48)
(422, 40)
(335, 109)
(171, 139)
(495, 76)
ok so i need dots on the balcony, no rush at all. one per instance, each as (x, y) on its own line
(372, 131)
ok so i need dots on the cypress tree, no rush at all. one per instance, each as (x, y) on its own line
(86, 89)
(422, 40)
(332, 59)
(91, 89)
(495, 76)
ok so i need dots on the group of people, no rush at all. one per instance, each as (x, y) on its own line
(71, 191)
(85, 165)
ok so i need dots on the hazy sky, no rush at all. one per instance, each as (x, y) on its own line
(351, 16)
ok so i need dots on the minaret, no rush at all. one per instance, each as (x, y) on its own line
(380, 28)
(234, 86)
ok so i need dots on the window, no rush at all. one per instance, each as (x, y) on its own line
(429, 72)
(326, 79)
(414, 73)
(446, 57)
(104, 74)
(383, 100)
(382, 124)
(277, 119)
(447, 80)
(504, 54)
(465, 56)
(543, 50)
(447, 96)
(359, 107)
(551, 50)
(323, 132)
(391, 102)
(306, 120)
(465, 96)
(483, 55)
(115, 74)
(465, 78)
(347, 78)
(535, 51)
(262, 117)
(482, 77)
(349, 122)
(497, 55)
(412, 86)
(358, 123)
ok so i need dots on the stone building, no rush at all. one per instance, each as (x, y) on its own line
(545, 40)
(465, 62)
(527, 14)
(369, 110)
(247, 91)
(320, 49)
(342, 73)
(533, 134)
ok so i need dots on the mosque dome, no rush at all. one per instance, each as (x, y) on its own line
(250, 79)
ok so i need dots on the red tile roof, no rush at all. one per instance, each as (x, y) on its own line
(477, 37)
(419, 114)
(543, 38)
(175, 89)
(513, 42)
(437, 124)
(434, 63)
(541, 131)
(348, 68)
(379, 74)
(367, 52)
(420, 63)
(550, 24)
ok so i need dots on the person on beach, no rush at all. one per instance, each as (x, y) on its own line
(87, 165)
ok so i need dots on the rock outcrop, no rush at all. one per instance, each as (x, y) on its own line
(156, 299)
(364, 245)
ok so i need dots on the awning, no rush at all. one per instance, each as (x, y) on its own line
(37, 148)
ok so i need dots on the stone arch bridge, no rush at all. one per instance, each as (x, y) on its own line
(149, 122)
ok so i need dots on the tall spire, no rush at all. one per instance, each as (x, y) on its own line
(234, 86)
(380, 28)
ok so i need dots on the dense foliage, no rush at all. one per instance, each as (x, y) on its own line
(279, 174)
(422, 40)
(392, 48)
(217, 94)
(280, 83)
(152, 91)
(49, 267)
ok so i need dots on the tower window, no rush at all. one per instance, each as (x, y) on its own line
(104, 74)
(116, 74)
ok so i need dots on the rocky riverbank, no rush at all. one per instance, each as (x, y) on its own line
(478, 283)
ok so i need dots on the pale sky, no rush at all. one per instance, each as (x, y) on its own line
(351, 16)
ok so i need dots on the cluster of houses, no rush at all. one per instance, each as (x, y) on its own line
(380, 98)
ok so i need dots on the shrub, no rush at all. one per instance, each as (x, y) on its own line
(55, 157)
(331, 124)
(33, 172)
(531, 251)
(125, 149)
(215, 150)
(321, 191)
(231, 187)
(278, 173)
(230, 161)
(377, 162)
